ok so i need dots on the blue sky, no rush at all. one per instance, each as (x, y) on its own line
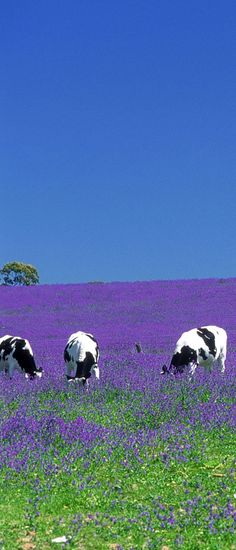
(118, 138)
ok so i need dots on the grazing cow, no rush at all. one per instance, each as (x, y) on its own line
(16, 353)
(200, 346)
(81, 355)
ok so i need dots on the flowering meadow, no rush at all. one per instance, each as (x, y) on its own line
(140, 461)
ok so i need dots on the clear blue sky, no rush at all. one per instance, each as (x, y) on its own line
(118, 138)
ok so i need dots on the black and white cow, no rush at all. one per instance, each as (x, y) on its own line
(199, 346)
(16, 353)
(81, 355)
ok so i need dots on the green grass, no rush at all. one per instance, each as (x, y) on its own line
(111, 497)
(113, 492)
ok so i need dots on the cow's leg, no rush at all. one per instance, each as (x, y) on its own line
(210, 364)
(221, 362)
(11, 367)
(69, 368)
(95, 371)
(4, 367)
(79, 375)
(79, 370)
(192, 368)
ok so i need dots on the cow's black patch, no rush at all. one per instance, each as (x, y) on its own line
(6, 348)
(183, 358)
(202, 353)
(84, 367)
(209, 339)
(66, 354)
(96, 353)
(95, 341)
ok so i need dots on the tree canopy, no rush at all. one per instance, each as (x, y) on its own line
(18, 274)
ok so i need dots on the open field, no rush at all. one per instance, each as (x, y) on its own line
(141, 461)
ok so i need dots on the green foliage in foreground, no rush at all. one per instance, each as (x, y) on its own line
(114, 498)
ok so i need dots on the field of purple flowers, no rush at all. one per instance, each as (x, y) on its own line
(139, 461)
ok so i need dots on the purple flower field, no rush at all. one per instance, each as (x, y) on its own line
(132, 410)
(118, 314)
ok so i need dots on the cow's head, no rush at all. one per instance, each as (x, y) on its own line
(164, 370)
(172, 369)
(37, 372)
(180, 360)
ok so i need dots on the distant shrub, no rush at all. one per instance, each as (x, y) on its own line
(18, 274)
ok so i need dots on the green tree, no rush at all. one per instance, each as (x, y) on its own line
(19, 274)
